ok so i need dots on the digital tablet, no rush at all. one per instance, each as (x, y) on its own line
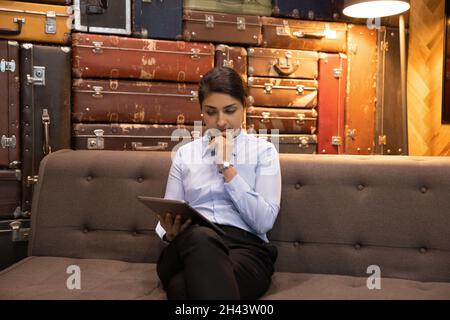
(162, 206)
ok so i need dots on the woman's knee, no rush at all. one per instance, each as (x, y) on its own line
(200, 234)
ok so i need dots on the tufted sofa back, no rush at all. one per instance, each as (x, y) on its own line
(339, 215)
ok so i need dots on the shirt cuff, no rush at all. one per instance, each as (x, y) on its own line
(237, 187)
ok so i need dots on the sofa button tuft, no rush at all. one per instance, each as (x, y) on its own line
(85, 230)
(135, 233)
(423, 250)
(298, 186)
(357, 246)
(296, 244)
(89, 178)
(140, 179)
(361, 187)
(424, 190)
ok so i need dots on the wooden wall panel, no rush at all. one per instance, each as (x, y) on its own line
(427, 137)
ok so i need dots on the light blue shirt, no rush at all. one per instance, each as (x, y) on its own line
(251, 201)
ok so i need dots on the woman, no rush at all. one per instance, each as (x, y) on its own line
(234, 180)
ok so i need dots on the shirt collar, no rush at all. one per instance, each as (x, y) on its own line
(205, 141)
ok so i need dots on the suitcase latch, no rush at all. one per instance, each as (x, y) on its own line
(9, 142)
(337, 73)
(240, 23)
(195, 54)
(38, 78)
(19, 234)
(304, 142)
(97, 47)
(97, 143)
(228, 63)
(7, 66)
(31, 180)
(266, 117)
(194, 95)
(209, 20)
(268, 88)
(181, 119)
(382, 140)
(301, 118)
(18, 174)
(336, 141)
(351, 134)
(300, 89)
(98, 92)
(50, 22)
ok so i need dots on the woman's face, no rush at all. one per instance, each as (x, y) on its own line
(222, 112)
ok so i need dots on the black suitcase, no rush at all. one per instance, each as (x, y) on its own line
(10, 188)
(9, 104)
(307, 9)
(103, 16)
(293, 144)
(391, 119)
(45, 103)
(13, 241)
(158, 19)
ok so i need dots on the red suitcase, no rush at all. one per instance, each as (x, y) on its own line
(232, 57)
(333, 80)
(286, 121)
(132, 137)
(100, 56)
(284, 93)
(122, 101)
(9, 104)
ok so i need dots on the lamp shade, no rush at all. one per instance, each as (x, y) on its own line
(375, 8)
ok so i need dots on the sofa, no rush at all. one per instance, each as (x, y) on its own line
(350, 227)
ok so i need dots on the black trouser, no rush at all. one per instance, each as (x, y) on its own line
(199, 264)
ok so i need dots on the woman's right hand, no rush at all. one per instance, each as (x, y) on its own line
(173, 228)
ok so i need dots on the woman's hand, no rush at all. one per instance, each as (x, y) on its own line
(224, 148)
(173, 228)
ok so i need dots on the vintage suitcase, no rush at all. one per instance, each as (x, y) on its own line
(285, 93)
(133, 137)
(361, 91)
(14, 236)
(232, 57)
(113, 101)
(298, 64)
(157, 19)
(333, 80)
(391, 117)
(304, 35)
(60, 2)
(221, 27)
(9, 104)
(293, 144)
(10, 186)
(103, 16)
(35, 22)
(140, 58)
(285, 121)
(45, 104)
(248, 7)
(307, 9)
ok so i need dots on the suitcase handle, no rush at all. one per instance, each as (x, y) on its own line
(314, 35)
(285, 70)
(162, 146)
(46, 148)
(10, 32)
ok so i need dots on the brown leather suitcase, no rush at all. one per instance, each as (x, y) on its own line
(132, 137)
(45, 104)
(60, 2)
(232, 57)
(285, 121)
(10, 188)
(35, 22)
(264, 62)
(100, 56)
(122, 101)
(333, 80)
(391, 116)
(304, 35)
(284, 93)
(291, 144)
(9, 104)
(221, 27)
(361, 91)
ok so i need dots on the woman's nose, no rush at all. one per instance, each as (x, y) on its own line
(221, 121)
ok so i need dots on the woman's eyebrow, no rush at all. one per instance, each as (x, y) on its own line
(229, 106)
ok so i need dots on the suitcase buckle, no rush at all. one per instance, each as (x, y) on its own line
(97, 143)
(304, 142)
(268, 87)
(300, 89)
(97, 47)
(241, 23)
(19, 234)
(31, 180)
(7, 66)
(301, 118)
(194, 95)
(266, 117)
(209, 20)
(336, 141)
(195, 54)
(98, 92)
(50, 22)
(180, 119)
(8, 142)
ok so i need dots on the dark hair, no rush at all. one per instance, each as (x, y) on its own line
(223, 80)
